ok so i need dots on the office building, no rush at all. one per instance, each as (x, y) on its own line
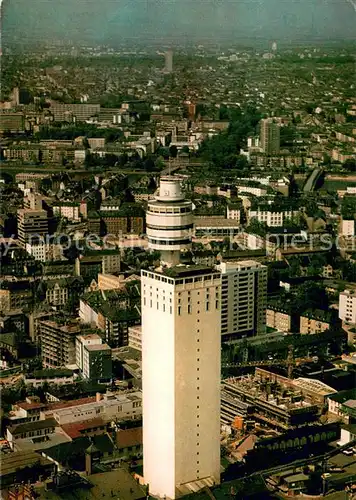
(180, 339)
(168, 59)
(93, 358)
(169, 221)
(243, 299)
(269, 136)
(32, 226)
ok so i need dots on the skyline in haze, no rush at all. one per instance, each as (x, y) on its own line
(111, 21)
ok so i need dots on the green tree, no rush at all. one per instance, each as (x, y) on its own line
(173, 151)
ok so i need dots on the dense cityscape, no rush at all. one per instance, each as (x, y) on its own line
(178, 270)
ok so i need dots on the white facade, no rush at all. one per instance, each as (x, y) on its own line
(169, 221)
(87, 314)
(111, 407)
(71, 211)
(181, 379)
(347, 306)
(348, 228)
(233, 213)
(255, 190)
(243, 298)
(272, 218)
(80, 342)
(45, 251)
(135, 337)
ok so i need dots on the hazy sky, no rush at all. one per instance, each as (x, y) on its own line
(102, 20)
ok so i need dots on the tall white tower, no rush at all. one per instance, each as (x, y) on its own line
(181, 379)
(169, 221)
(274, 47)
(180, 356)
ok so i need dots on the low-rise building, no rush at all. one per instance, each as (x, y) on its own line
(316, 321)
(117, 407)
(68, 209)
(343, 405)
(348, 227)
(37, 429)
(233, 211)
(279, 319)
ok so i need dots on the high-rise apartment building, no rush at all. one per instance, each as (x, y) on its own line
(32, 225)
(270, 136)
(243, 299)
(168, 58)
(93, 357)
(57, 343)
(181, 340)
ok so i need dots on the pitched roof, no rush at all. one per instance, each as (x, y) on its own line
(76, 429)
(32, 426)
(127, 438)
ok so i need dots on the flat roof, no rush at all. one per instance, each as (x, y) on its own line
(185, 271)
(98, 347)
(215, 222)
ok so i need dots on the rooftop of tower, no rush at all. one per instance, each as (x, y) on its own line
(184, 271)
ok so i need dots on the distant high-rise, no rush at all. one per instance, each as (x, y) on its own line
(168, 61)
(270, 136)
(180, 356)
(32, 226)
(243, 299)
(274, 46)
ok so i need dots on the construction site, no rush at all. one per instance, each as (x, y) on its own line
(265, 412)
(252, 400)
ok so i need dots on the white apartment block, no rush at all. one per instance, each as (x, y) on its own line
(233, 212)
(126, 406)
(80, 343)
(93, 357)
(44, 252)
(181, 379)
(348, 228)
(255, 190)
(69, 210)
(347, 306)
(87, 314)
(273, 218)
(243, 298)
(135, 337)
